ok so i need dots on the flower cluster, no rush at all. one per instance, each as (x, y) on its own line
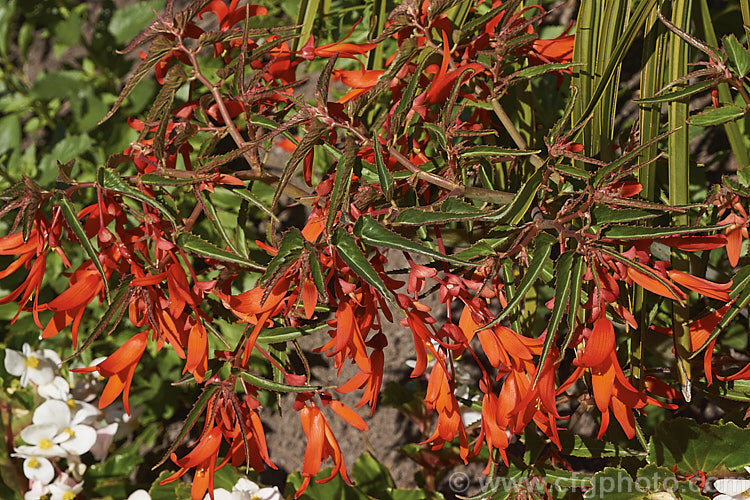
(65, 426)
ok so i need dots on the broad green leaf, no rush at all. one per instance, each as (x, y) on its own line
(176, 490)
(738, 55)
(348, 250)
(587, 447)
(614, 484)
(198, 408)
(270, 385)
(567, 479)
(197, 245)
(743, 175)
(335, 489)
(716, 116)
(71, 218)
(689, 447)
(10, 133)
(539, 258)
(108, 179)
(372, 233)
(372, 477)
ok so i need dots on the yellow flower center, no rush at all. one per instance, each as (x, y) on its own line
(32, 362)
(33, 463)
(71, 404)
(71, 433)
(745, 494)
(69, 495)
(45, 444)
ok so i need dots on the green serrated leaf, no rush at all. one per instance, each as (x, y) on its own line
(108, 179)
(197, 245)
(517, 208)
(71, 218)
(687, 446)
(372, 233)
(643, 232)
(384, 176)
(541, 69)
(348, 250)
(290, 248)
(603, 214)
(270, 385)
(276, 335)
(200, 405)
(678, 93)
(489, 151)
(716, 116)
(539, 259)
(738, 55)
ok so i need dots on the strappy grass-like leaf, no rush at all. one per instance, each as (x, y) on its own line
(72, 219)
(574, 301)
(372, 233)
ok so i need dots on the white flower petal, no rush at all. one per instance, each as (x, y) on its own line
(219, 494)
(38, 451)
(245, 485)
(85, 413)
(43, 374)
(268, 494)
(36, 490)
(34, 434)
(104, 438)
(53, 411)
(139, 495)
(15, 362)
(39, 469)
(57, 389)
(82, 438)
(51, 356)
(732, 487)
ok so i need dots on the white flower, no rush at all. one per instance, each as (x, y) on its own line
(32, 366)
(57, 389)
(73, 436)
(65, 488)
(139, 495)
(36, 490)
(36, 468)
(247, 490)
(732, 489)
(41, 438)
(104, 437)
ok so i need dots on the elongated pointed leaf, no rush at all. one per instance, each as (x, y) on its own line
(490, 151)
(716, 116)
(276, 335)
(203, 400)
(270, 385)
(563, 285)
(108, 179)
(677, 94)
(641, 232)
(520, 204)
(342, 183)
(384, 176)
(574, 301)
(197, 245)
(539, 258)
(351, 254)
(213, 217)
(249, 196)
(372, 233)
(70, 217)
(290, 248)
